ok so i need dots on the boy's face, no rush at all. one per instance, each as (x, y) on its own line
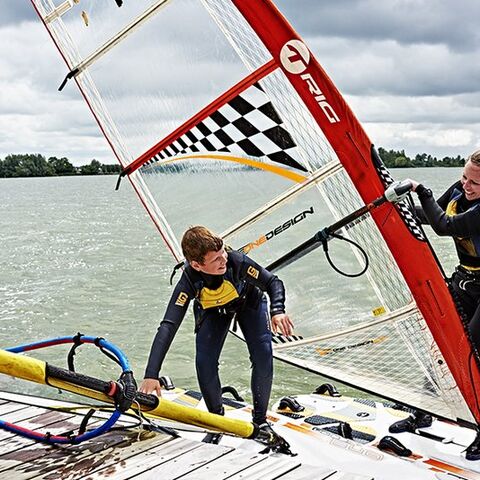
(214, 263)
(471, 181)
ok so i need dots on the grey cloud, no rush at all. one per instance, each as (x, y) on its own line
(390, 68)
(407, 22)
(14, 12)
(405, 66)
(460, 109)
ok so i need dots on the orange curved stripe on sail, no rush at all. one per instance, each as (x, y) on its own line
(283, 172)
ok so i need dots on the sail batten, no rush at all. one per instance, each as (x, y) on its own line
(400, 314)
(120, 36)
(320, 175)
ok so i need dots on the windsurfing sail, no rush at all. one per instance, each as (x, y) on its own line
(220, 115)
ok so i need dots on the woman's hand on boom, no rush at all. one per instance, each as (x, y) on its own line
(414, 184)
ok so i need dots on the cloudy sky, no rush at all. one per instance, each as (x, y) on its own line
(410, 70)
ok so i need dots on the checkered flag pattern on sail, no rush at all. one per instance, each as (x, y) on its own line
(246, 125)
(280, 338)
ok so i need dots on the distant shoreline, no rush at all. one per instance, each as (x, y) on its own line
(36, 165)
(75, 175)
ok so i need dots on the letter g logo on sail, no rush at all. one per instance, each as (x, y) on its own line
(295, 56)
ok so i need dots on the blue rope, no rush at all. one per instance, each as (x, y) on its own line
(121, 357)
(72, 439)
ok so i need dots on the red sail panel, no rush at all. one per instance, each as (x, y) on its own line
(354, 148)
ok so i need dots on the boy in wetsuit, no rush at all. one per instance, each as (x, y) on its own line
(222, 284)
(457, 214)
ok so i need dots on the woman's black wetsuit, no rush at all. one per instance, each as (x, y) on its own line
(453, 215)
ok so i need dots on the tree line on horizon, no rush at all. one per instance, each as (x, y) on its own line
(399, 159)
(36, 165)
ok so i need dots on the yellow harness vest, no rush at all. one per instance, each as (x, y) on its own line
(224, 294)
(466, 243)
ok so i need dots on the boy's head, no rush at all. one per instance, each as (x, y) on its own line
(204, 250)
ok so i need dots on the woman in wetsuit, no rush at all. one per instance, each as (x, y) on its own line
(457, 214)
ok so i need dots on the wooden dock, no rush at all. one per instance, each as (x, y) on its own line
(131, 453)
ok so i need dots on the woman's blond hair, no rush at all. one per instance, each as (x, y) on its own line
(475, 158)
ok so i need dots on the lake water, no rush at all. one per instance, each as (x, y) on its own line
(78, 256)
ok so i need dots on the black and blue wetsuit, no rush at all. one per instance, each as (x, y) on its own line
(217, 299)
(453, 215)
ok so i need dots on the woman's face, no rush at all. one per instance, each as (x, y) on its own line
(471, 181)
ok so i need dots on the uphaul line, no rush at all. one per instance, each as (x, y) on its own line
(276, 231)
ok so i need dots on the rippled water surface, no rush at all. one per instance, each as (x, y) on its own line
(78, 256)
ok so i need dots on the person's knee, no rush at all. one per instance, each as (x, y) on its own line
(262, 361)
(205, 365)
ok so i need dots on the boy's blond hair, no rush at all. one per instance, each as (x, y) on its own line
(198, 241)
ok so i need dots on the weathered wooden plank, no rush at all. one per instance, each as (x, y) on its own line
(22, 414)
(75, 461)
(41, 419)
(274, 466)
(18, 416)
(11, 407)
(185, 464)
(31, 400)
(33, 448)
(11, 445)
(138, 465)
(57, 425)
(52, 419)
(309, 472)
(226, 466)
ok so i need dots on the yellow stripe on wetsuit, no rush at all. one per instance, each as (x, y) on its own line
(466, 243)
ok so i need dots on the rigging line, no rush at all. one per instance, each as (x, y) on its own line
(115, 40)
(397, 315)
(320, 175)
(355, 244)
(322, 236)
